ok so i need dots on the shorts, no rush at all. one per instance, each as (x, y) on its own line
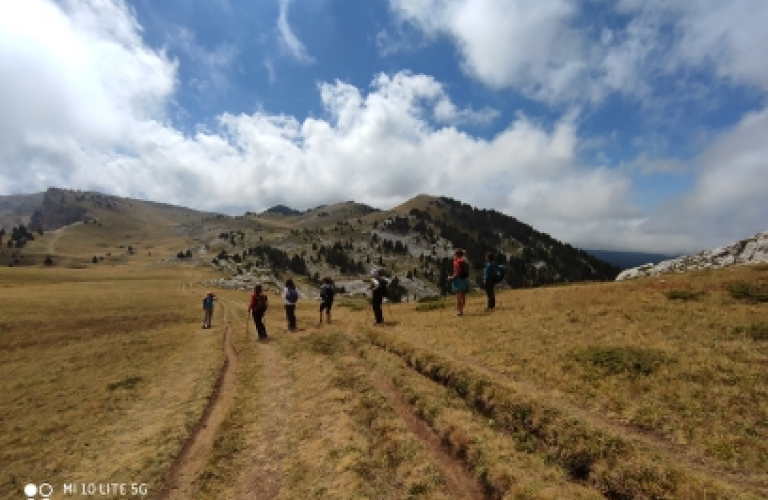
(459, 285)
(326, 305)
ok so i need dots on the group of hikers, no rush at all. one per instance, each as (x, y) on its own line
(493, 273)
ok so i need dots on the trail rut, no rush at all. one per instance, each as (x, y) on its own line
(181, 482)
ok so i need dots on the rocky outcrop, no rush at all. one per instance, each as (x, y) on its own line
(56, 211)
(750, 251)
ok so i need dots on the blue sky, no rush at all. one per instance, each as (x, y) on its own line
(630, 125)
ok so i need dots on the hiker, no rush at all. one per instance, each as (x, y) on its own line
(460, 280)
(379, 287)
(291, 296)
(257, 308)
(327, 292)
(492, 274)
(208, 309)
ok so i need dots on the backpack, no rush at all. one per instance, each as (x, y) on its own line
(207, 302)
(498, 275)
(327, 292)
(292, 295)
(464, 269)
(263, 302)
(381, 290)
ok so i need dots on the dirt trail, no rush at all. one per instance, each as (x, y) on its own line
(263, 475)
(56, 235)
(679, 454)
(459, 481)
(181, 481)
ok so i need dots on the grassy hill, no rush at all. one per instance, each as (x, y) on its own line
(413, 242)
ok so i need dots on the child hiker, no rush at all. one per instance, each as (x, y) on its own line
(326, 297)
(257, 308)
(208, 309)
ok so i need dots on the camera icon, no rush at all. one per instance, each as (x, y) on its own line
(45, 491)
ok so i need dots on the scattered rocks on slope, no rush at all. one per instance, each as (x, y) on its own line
(750, 251)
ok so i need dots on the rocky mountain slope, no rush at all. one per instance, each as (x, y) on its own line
(750, 251)
(413, 242)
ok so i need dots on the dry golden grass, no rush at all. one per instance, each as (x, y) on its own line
(647, 389)
(103, 373)
(686, 376)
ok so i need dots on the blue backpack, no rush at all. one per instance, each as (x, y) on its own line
(292, 296)
(498, 276)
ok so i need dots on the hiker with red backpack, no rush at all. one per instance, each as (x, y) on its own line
(460, 280)
(291, 296)
(492, 274)
(257, 308)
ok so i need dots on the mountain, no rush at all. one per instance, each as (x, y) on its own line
(413, 242)
(749, 251)
(627, 260)
(17, 209)
(282, 210)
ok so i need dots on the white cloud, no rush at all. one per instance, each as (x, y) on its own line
(539, 48)
(380, 146)
(211, 65)
(289, 40)
(528, 45)
(83, 99)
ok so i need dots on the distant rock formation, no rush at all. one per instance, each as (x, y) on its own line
(56, 211)
(750, 251)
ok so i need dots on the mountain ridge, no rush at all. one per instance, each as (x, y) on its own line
(751, 250)
(413, 241)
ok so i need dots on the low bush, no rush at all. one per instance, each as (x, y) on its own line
(630, 361)
(745, 291)
(429, 306)
(683, 295)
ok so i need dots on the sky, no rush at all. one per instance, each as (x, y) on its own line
(636, 125)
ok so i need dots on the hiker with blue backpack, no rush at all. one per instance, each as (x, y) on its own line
(327, 291)
(208, 301)
(492, 274)
(460, 280)
(291, 296)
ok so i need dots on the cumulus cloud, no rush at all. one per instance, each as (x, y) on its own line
(83, 103)
(400, 137)
(543, 50)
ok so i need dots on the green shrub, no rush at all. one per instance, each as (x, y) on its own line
(683, 295)
(631, 361)
(744, 291)
(429, 298)
(755, 331)
(126, 383)
(429, 306)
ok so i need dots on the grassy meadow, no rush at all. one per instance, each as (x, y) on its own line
(649, 389)
(103, 373)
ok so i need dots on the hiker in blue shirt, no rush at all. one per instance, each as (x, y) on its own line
(492, 274)
(208, 309)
